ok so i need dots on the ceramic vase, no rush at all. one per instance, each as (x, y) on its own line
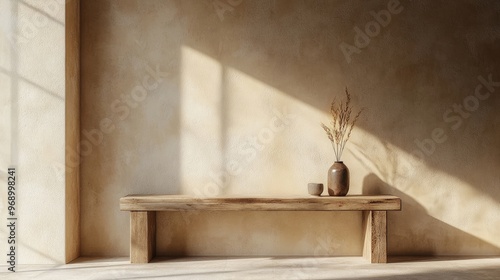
(338, 179)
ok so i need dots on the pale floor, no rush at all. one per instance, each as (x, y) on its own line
(265, 268)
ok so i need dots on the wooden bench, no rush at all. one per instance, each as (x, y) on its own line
(143, 210)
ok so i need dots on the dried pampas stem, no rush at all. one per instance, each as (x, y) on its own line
(341, 125)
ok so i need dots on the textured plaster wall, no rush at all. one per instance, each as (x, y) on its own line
(40, 119)
(32, 113)
(226, 98)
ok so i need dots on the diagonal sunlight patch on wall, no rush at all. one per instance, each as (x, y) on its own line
(5, 124)
(5, 107)
(32, 110)
(34, 18)
(426, 192)
(473, 211)
(199, 117)
(265, 137)
(5, 136)
(242, 136)
(45, 10)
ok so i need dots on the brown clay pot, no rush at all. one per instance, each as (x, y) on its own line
(315, 189)
(338, 179)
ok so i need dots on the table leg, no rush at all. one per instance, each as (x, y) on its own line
(142, 236)
(375, 244)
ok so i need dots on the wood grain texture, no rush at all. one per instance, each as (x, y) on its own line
(142, 236)
(143, 215)
(72, 129)
(375, 243)
(309, 203)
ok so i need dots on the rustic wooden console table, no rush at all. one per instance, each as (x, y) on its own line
(143, 210)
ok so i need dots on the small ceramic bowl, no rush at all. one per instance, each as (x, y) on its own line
(315, 189)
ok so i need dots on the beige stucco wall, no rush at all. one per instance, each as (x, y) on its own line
(36, 128)
(226, 98)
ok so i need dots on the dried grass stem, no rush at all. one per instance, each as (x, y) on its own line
(341, 126)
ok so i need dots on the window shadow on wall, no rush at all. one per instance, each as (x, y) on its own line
(29, 101)
(408, 76)
(417, 75)
(412, 231)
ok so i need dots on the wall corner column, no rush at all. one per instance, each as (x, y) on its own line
(72, 130)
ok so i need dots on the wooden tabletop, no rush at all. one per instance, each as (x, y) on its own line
(237, 203)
